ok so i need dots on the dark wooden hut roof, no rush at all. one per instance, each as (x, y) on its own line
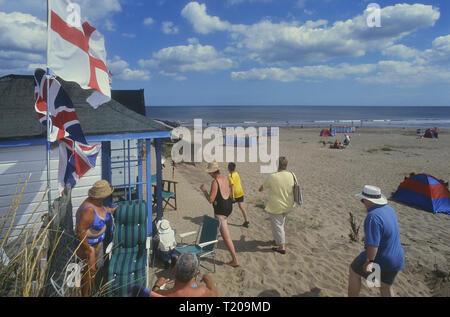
(132, 99)
(18, 119)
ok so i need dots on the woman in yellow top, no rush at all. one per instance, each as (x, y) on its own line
(237, 192)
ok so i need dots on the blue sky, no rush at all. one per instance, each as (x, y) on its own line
(256, 52)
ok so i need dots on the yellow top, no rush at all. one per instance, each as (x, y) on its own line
(235, 180)
(281, 193)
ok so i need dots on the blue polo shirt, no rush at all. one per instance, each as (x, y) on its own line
(381, 230)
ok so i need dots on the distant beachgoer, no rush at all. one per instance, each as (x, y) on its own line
(347, 141)
(186, 270)
(280, 202)
(220, 197)
(237, 193)
(419, 133)
(91, 219)
(336, 145)
(382, 244)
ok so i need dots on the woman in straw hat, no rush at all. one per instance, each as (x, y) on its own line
(220, 197)
(91, 219)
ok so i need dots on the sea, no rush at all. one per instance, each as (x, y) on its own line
(307, 116)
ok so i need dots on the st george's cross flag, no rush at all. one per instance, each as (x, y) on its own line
(76, 51)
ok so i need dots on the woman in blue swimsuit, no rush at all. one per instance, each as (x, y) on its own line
(91, 219)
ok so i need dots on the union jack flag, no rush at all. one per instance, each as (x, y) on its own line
(76, 157)
(75, 160)
(63, 119)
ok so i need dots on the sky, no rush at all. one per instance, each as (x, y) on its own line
(256, 52)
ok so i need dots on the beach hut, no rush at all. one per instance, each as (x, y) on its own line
(424, 191)
(431, 134)
(117, 128)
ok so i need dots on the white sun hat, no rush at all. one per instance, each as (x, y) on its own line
(373, 194)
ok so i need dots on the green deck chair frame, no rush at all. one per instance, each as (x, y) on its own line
(205, 242)
(128, 263)
(168, 193)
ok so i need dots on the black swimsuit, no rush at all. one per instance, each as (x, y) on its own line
(222, 206)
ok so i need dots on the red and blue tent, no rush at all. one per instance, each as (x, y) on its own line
(326, 132)
(424, 191)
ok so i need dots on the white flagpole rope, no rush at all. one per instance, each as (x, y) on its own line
(49, 188)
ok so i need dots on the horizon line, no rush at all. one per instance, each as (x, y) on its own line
(360, 106)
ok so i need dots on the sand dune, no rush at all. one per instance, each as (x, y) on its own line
(319, 249)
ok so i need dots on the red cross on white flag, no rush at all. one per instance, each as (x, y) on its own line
(77, 52)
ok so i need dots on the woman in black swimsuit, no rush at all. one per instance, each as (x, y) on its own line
(219, 197)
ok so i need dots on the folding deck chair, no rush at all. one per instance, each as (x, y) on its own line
(203, 247)
(168, 194)
(128, 263)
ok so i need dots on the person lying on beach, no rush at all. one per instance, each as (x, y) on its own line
(186, 271)
(382, 244)
(91, 219)
(237, 192)
(336, 145)
(220, 197)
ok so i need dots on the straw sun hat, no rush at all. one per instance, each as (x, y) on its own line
(101, 189)
(212, 167)
(373, 194)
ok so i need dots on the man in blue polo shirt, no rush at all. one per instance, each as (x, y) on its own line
(382, 244)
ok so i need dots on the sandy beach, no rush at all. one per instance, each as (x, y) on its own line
(319, 249)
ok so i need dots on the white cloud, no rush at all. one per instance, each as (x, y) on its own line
(188, 58)
(96, 10)
(303, 73)
(401, 51)
(412, 68)
(149, 21)
(202, 22)
(23, 32)
(92, 10)
(235, 2)
(23, 41)
(300, 4)
(399, 73)
(129, 35)
(120, 69)
(315, 41)
(169, 28)
(405, 73)
(110, 25)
